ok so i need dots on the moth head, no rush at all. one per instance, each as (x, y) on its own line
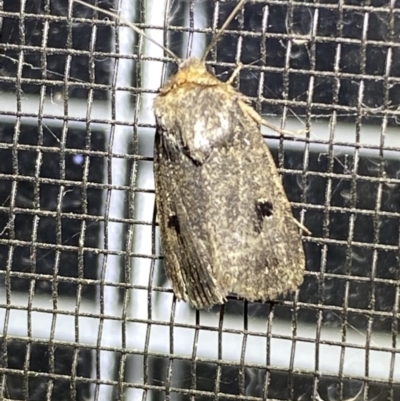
(192, 63)
(192, 71)
(195, 64)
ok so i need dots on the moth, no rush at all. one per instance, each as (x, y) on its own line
(226, 223)
(225, 220)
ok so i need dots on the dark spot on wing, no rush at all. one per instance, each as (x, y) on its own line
(173, 222)
(264, 209)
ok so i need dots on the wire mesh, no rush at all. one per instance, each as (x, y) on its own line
(85, 309)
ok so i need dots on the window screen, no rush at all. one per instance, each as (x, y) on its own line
(86, 311)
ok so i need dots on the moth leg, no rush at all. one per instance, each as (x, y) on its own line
(302, 227)
(259, 120)
(234, 73)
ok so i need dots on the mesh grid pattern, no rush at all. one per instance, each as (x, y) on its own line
(85, 309)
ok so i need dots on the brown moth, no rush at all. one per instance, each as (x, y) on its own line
(226, 223)
(225, 220)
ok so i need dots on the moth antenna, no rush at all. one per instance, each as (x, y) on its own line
(132, 26)
(221, 31)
